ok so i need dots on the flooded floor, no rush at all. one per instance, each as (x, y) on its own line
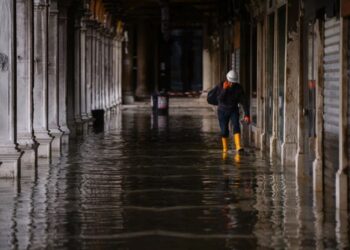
(163, 183)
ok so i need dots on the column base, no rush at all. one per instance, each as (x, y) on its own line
(65, 139)
(9, 162)
(65, 136)
(317, 175)
(44, 147)
(29, 147)
(263, 141)
(299, 165)
(56, 142)
(273, 145)
(289, 150)
(341, 190)
(128, 99)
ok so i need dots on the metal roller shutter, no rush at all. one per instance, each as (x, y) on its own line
(331, 104)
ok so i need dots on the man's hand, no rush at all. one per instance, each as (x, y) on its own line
(227, 85)
(246, 119)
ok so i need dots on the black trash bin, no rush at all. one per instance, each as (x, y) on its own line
(160, 103)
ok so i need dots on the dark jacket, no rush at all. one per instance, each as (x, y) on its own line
(230, 98)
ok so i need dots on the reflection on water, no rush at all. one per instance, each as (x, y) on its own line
(163, 183)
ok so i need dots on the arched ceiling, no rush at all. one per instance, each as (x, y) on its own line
(180, 10)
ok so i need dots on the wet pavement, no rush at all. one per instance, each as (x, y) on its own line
(163, 183)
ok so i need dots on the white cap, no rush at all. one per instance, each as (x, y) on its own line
(232, 76)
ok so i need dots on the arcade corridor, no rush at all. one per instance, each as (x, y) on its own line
(143, 181)
(161, 183)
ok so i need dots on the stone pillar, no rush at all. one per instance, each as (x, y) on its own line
(93, 67)
(24, 35)
(289, 146)
(119, 71)
(274, 135)
(98, 69)
(107, 72)
(62, 77)
(127, 60)
(142, 57)
(103, 64)
(9, 154)
(53, 92)
(40, 91)
(342, 173)
(318, 162)
(207, 84)
(114, 72)
(77, 75)
(83, 82)
(89, 63)
(261, 84)
(299, 104)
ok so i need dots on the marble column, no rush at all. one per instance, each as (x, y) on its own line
(127, 65)
(93, 66)
(102, 76)
(114, 72)
(9, 154)
(289, 146)
(299, 94)
(119, 71)
(40, 91)
(77, 75)
(83, 84)
(24, 33)
(53, 92)
(318, 162)
(207, 84)
(274, 115)
(99, 69)
(62, 77)
(142, 59)
(107, 72)
(89, 63)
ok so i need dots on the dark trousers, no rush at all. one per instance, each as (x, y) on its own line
(224, 120)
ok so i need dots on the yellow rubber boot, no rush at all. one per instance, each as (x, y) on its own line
(224, 144)
(237, 139)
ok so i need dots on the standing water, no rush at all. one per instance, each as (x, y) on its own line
(150, 182)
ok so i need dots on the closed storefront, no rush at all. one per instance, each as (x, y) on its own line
(331, 103)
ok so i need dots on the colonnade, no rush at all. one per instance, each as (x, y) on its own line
(51, 80)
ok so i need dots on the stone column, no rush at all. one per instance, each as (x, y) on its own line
(107, 71)
(274, 136)
(103, 64)
(89, 63)
(142, 57)
(98, 69)
(127, 65)
(260, 77)
(342, 173)
(53, 92)
(318, 162)
(299, 104)
(289, 146)
(62, 74)
(93, 66)
(40, 91)
(119, 71)
(77, 75)
(24, 35)
(83, 82)
(114, 72)
(9, 154)
(207, 84)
